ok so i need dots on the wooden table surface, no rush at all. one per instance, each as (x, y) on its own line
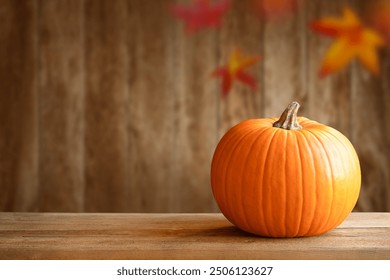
(180, 236)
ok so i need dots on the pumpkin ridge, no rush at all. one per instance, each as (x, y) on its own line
(219, 152)
(243, 153)
(294, 153)
(336, 217)
(354, 158)
(258, 179)
(313, 227)
(278, 214)
(226, 184)
(216, 164)
(297, 136)
(268, 200)
(308, 124)
(330, 134)
(308, 150)
(285, 146)
(223, 204)
(257, 137)
(333, 188)
(266, 228)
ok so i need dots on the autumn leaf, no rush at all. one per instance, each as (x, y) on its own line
(201, 14)
(352, 40)
(379, 17)
(234, 70)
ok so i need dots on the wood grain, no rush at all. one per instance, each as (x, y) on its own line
(328, 98)
(372, 99)
(19, 178)
(180, 236)
(195, 118)
(61, 110)
(370, 96)
(106, 106)
(284, 64)
(151, 107)
(242, 102)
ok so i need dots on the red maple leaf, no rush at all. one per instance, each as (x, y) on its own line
(234, 70)
(201, 14)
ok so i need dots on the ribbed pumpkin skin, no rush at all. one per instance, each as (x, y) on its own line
(285, 183)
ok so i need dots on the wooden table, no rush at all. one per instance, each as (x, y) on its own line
(180, 236)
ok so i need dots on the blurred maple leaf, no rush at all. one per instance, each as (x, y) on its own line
(234, 70)
(379, 17)
(276, 9)
(352, 39)
(201, 14)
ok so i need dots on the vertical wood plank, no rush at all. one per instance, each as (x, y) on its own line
(195, 120)
(285, 63)
(106, 140)
(61, 106)
(385, 89)
(370, 135)
(18, 106)
(241, 29)
(151, 112)
(371, 130)
(329, 97)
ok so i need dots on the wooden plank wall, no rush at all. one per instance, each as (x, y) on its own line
(108, 106)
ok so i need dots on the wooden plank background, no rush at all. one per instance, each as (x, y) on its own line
(108, 106)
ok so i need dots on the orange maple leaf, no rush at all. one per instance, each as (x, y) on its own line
(379, 17)
(234, 70)
(352, 39)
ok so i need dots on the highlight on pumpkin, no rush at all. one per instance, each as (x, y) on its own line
(352, 39)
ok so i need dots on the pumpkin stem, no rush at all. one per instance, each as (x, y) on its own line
(288, 120)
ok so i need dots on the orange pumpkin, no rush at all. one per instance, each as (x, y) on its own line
(285, 178)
